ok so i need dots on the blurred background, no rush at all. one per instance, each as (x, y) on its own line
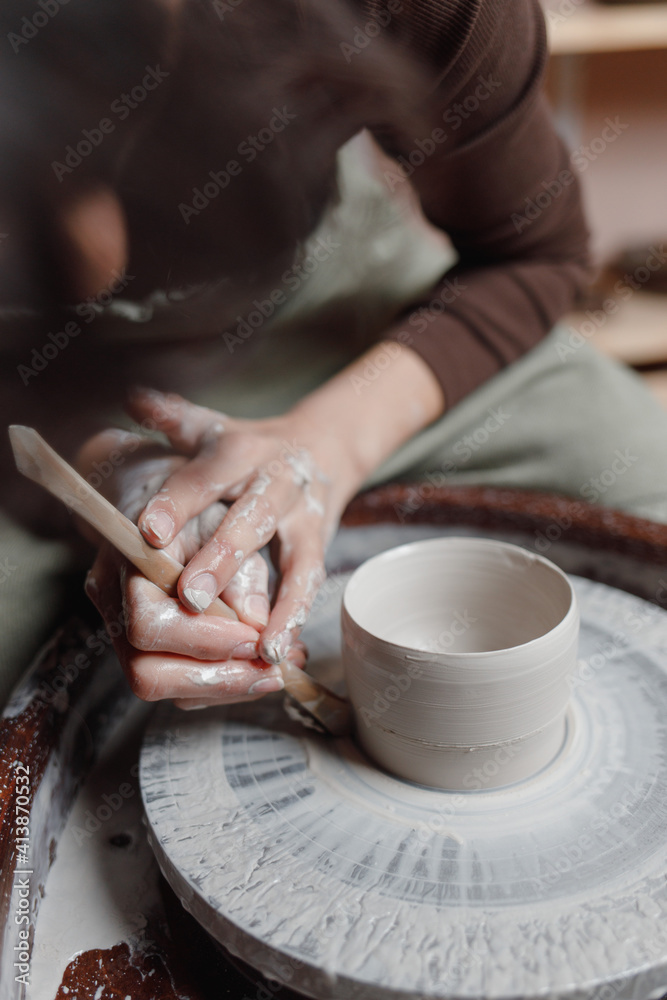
(608, 86)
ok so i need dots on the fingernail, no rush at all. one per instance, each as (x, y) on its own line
(193, 708)
(257, 608)
(245, 651)
(160, 525)
(267, 684)
(274, 650)
(90, 586)
(202, 590)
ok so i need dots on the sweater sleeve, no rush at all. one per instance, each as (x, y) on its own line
(493, 174)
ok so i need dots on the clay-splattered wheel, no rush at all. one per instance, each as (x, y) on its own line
(344, 882)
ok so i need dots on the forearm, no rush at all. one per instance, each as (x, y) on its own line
(373, 405)
(498, 180)
(499, 315)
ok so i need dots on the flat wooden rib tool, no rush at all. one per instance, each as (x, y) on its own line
(312, 702)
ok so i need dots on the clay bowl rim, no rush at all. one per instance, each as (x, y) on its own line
(569, 619)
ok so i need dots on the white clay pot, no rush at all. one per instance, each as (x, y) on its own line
(457, 653)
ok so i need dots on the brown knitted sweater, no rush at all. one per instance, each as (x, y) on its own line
(495, 177)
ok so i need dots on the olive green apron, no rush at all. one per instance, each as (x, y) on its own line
(562, 419)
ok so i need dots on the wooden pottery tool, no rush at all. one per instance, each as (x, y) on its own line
(314, 704)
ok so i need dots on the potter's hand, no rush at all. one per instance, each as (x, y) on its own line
(288, 478)
(165, 650)
(287, 482)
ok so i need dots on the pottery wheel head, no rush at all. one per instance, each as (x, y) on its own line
(341, 881)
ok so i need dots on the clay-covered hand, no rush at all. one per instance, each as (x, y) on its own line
(166, 650)
(287, 481)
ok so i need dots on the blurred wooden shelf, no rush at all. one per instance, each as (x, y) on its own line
(657, 383)
(595, 27)
(636, 334)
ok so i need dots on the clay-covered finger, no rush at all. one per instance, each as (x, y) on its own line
(183, 423)
(155, 676)
(296, 655)
(189, 490)
(302, 568)
(155, 622)
(250, 523)
(248, 592)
